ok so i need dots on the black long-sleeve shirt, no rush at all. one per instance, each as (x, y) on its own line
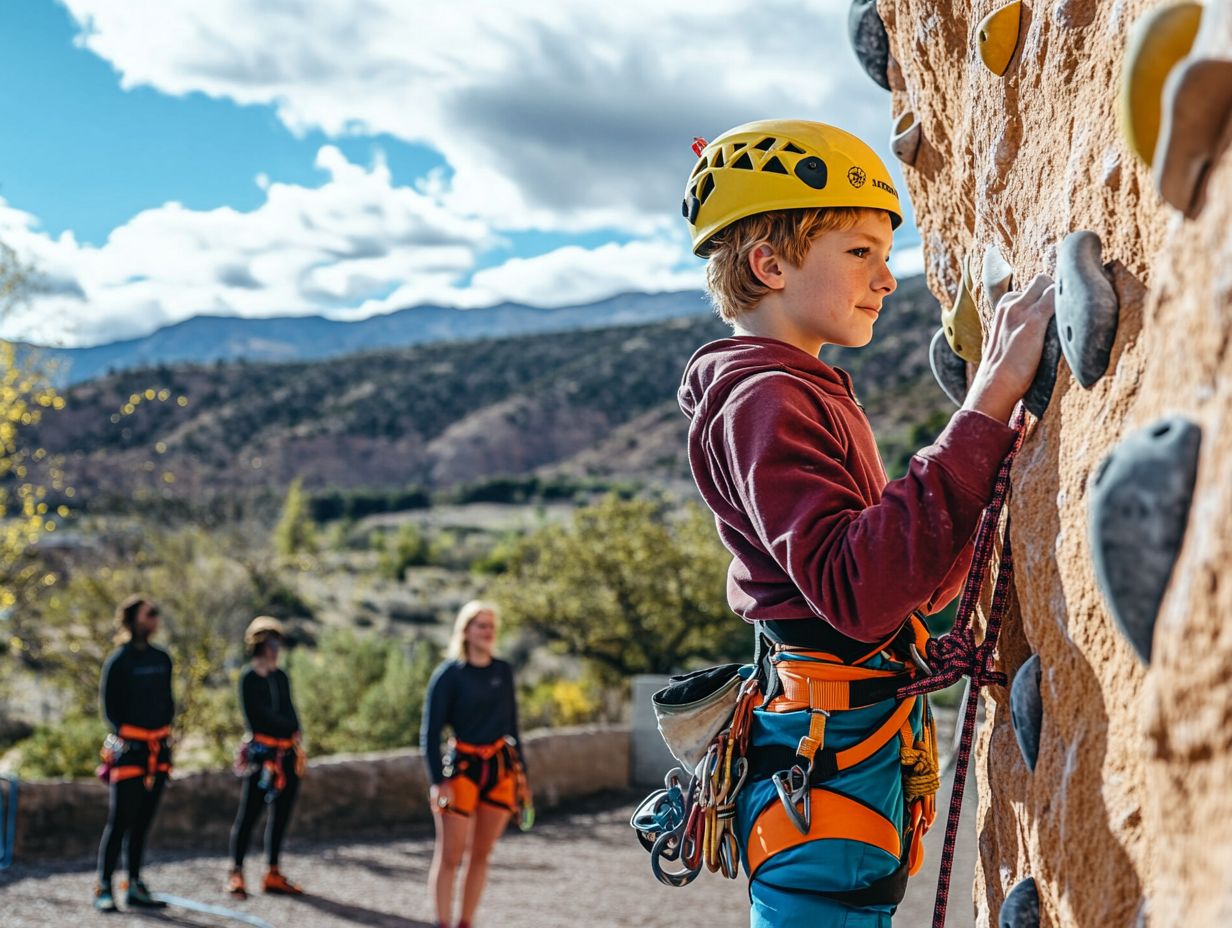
(135, 688)
(267, 705)
(478, 703)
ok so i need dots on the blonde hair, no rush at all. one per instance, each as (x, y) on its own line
(458, 648)
(734, 288)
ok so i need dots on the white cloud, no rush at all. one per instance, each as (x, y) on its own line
(907, 261)
(551, 113)
(354, 247)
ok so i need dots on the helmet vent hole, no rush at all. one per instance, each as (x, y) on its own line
(718, 159)
(743, 163)
(793, 148)
(774, 166)
(765, 144)
(700, 164)
(706, 187)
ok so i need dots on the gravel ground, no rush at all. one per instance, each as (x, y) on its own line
(577, 865)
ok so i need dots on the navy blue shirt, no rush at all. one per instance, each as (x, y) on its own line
(478, 703)
(267, 705)
(135, 688)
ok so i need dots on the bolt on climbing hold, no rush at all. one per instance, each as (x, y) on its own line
(1139, 509)
(997, 37)
(1196, 105)
(997, 276)
(869, 40)
(961, 322)
(1026, 710)
(905, 139)
(949, 369)
(1039, 394)
(1158, 40)
(1088, 308)
(1021, 906)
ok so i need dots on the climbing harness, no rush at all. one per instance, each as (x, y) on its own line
(8, 819)
(115, 746)
(269, 754)
(488, 773)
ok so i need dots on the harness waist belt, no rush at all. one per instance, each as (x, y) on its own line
(153, 739)
(281, 744)
(482, 751)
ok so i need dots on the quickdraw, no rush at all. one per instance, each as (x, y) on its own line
(692, 819)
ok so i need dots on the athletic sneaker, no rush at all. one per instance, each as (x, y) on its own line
(279, 885)
(138, 896)
(235, 884)
(104, 901)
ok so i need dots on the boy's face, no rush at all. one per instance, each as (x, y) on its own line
(835, 295)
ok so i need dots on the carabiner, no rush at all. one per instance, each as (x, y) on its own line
(792, 787)
(918, 660)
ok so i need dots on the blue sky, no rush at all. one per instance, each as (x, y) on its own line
(264, 158)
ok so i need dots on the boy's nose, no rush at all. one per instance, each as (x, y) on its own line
(885, 280)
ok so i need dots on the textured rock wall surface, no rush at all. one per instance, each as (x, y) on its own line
(342, 795)
(1131, 797)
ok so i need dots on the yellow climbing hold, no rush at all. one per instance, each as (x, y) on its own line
(1157, 41)
(997, 36)
(961, 322)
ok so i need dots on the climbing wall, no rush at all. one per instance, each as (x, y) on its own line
(1125, 818)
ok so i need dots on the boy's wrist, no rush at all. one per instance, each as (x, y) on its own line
(991, 404)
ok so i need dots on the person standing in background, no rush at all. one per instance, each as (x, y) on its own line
(271, 759)
(479, 784)
(135, 693)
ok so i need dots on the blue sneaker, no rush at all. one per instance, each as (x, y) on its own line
(104, 901)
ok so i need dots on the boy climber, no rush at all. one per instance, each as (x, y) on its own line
(829, 560)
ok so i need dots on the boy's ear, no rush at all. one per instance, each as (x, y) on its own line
(767, 266)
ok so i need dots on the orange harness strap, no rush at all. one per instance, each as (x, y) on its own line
(833, 816)
(153, 738)
(274, 764)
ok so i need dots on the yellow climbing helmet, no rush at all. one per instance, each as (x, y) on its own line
(782, 164)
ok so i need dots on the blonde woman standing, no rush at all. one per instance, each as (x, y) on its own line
(476, 785)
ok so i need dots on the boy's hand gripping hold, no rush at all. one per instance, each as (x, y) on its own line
(1012, 350)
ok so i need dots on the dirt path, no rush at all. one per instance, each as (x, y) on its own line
(579, 867)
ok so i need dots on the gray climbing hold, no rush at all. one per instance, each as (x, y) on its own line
(1088, 308)
(949, 369)
(1039, 394)
(869, 40)
(1021, 906)
(1139, 509)
(905, 140)
(1026, 710)
(997, 274)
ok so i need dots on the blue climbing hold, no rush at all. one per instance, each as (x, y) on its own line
(1088, 308)
(1139, 510)
(949, 369)
(869, 40)
(1021, 907)
(1026, 709)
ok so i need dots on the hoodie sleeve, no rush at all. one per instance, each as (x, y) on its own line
(861, 568)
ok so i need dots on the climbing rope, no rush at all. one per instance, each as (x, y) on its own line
(956, 655)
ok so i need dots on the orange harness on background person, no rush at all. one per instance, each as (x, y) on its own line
(273, 763)
(487, 773)
(153, 739)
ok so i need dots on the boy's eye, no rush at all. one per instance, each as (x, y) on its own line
(860, 252)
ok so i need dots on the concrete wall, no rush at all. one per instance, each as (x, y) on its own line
(341, 795)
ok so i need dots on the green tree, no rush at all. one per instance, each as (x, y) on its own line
(630, 586)
(296, 533)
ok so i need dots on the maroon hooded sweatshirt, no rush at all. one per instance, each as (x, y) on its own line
(785, 457)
